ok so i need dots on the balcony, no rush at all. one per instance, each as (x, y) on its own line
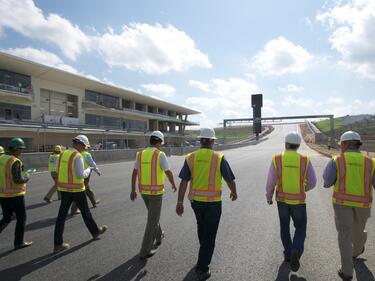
(15, 91)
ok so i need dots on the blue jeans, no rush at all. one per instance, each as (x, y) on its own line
(299, 217)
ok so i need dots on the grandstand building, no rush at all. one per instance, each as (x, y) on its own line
(48, 106)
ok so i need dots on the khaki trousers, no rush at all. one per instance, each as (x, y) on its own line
(153, 230)
(350, 224)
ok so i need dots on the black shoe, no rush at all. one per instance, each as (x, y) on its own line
(294, 261)
(287, 258)
(23, 245)
(49, 201)
(148, 255)
(158, 243)
(203, 275)
(343, 276)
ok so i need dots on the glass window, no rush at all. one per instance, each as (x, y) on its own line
(102, 99)
(15, 82)
(58, 104)
(10, 111)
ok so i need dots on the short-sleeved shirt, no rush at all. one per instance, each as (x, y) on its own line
(225, 170)
(164, 165)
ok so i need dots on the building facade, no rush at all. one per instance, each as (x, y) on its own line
(47, 106)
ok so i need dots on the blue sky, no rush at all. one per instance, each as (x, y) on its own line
(305, 57)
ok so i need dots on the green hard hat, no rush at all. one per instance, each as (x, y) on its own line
(17, 143)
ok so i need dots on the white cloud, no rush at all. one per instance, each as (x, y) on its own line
(352, 27)
(291, 88)
(152, 49)
(24, 17)
(41, 56)
(251, 76)
(228, 98)
(199, 85)
(292, 101)
(280, 57)
(164, 90)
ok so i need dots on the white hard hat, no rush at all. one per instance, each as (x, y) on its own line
(207, 133)
(1, 149)
(159, 135)
(293, 138)
(350, 136)
(83, 139)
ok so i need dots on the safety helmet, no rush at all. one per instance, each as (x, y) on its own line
(83, 139)
(207, 133)
(350, 136)
(158, 134)
(2, 150)
(17, 143)
(293, 138)
(57, 148)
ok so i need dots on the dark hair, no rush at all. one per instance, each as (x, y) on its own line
(77, 141)
(355, 144)
(155, 140)
(206, 142)
(292, 146)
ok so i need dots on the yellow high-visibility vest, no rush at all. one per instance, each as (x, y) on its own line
(67, 180)
(8, 188)
(53, 158)
(84, 156)
(206, 179)
(150, 174)
(353, 186)
(291, 169)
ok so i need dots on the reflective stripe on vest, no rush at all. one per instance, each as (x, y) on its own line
(357, 194)
(66, 179)
(288, 193)
(8, 188)
(52, 162)
(150, 182)
(203, 188)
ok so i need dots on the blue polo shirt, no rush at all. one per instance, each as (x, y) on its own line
(225, 170)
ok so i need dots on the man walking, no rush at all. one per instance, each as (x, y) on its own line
(292, 174)
(52, 167)
(13, 181)
(70, 182)
(352, 175)
(205, 169)
(88, 161)
(150, 166)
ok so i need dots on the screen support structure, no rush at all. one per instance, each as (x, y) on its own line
(330, 116)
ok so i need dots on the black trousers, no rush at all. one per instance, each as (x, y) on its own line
(208, 216)
(15, 205)
(67, 198)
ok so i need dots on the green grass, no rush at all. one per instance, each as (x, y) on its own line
(324, 125)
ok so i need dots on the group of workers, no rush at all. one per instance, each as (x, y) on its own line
(290, 176)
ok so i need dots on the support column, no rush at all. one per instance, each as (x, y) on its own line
(331, 124)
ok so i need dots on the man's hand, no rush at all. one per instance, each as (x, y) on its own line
(270, 202)
(233, 196)
(133, 195)
(174, 188)
(98, 172)
(180, 208)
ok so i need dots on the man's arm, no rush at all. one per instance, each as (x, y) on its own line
(271, 183)
(181, 195)
(229, 178)
(233, 190)
(133, 193)
(17, 173)
(80, 172)
(310, 177)
(171, 179)
(330, 174)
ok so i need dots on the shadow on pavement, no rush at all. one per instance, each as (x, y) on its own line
(40, 224)
(2, 255)
(133, 268)
(191, 275)
(362, 272)
(283, 274)
(35, 206)
(18, 272)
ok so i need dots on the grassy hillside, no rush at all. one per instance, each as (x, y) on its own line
(365, 126)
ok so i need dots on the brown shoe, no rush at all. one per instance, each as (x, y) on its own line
(102, 229)
(23, 245)
(60, 248)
